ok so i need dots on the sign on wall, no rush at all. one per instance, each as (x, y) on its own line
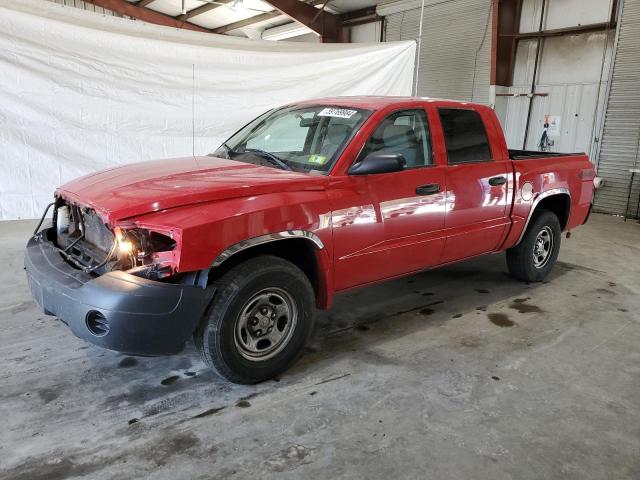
(553, 130)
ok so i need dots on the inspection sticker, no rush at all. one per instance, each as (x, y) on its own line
(317, 159)
(337, 112)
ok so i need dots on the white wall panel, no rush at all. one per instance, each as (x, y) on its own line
(563, 13)
(366, 33)
(575, 105)
(570, 13)
(512, 113)
(573, 59)
(530, 16)
(573, 72)
(524, 63)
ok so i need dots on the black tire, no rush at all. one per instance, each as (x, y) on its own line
(226, 330)
(522, 261)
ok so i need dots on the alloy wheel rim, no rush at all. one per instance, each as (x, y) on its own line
(542, 247)
(266, 324)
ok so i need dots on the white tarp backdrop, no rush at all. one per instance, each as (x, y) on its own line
(81, 92)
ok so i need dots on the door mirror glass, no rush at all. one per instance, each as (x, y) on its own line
(379, 162)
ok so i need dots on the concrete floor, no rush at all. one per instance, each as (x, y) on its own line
(460, 373)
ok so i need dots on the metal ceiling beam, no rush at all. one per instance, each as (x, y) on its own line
(358, 17)
(252, 20)
(125, 8)
(207, 7)
(247, 22)
(144, 3)
(325, 24)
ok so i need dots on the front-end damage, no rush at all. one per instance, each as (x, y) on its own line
(117, 287)
(87, 243)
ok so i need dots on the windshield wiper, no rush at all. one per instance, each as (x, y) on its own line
(269, 156)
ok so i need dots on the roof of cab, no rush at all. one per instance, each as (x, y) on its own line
(378, 102)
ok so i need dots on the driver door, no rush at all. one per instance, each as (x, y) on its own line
(399, 226)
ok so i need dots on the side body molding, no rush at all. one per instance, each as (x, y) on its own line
(538, 199)
(270, 237)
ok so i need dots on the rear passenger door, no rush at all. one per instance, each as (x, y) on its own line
(477, 182)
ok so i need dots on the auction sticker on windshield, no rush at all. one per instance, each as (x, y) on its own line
(337, 112)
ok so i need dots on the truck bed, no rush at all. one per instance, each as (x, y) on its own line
(529, 154)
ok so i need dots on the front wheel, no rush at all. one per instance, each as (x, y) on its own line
(533, 258)
(259, 321)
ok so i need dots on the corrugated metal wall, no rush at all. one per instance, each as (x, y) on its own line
(86, 6)
(456, 47)
(621, 136)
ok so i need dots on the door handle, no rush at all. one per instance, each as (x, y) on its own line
(496, 181)
(428, 189)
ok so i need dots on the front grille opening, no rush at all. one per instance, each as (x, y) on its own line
(82, 237)
(97, 323)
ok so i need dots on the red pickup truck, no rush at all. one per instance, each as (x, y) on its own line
(238, 248)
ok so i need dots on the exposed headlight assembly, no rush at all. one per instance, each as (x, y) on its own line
(145, 253)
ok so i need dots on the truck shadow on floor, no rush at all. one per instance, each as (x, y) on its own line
(360, 320)
(478, 290)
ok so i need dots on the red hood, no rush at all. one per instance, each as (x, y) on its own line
(139, 188)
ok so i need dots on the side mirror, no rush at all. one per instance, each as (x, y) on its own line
(379, 163)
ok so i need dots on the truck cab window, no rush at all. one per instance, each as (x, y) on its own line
(301, 137)
(405, 132)
(284, 134)
(464, 135)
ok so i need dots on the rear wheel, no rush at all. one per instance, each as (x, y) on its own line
(533, 258)
(259, 322)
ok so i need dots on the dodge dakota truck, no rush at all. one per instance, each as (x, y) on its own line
(238, 249)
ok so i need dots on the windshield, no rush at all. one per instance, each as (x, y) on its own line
(301, 138)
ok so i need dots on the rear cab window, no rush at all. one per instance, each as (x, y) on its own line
(465, 136)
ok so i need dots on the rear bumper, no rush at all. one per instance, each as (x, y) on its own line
(135, 315)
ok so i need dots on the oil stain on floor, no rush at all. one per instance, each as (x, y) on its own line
(170, 380)
(521, 306)
(500, 319)
(127, 362)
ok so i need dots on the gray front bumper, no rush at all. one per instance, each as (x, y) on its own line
(143, 317)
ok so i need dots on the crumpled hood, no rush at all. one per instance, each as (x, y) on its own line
(140, 188)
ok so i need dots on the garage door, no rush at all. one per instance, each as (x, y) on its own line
(621, 137)
(456, 45)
